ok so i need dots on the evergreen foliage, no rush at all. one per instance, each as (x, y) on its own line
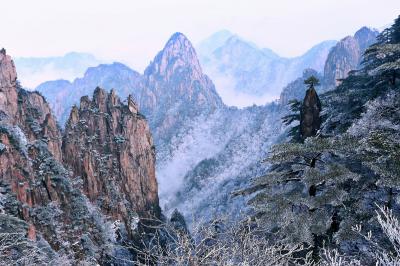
(311, 82)
(316, 191)
(293, 118)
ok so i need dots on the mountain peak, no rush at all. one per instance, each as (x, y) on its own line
(177, 53)
(206, 47)
(365, 37)
(177, 36)
(365, 30)
(178, 43)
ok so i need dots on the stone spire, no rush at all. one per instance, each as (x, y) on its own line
(310, 120)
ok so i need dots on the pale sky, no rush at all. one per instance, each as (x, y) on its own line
(134, 31)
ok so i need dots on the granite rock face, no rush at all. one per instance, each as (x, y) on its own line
(37, 199)
(347, 55)
(8, 82)
(74, 214)
(36, 192)
(29, 110)
(108, 146)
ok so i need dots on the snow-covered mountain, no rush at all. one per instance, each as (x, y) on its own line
(245, 74)
(34, 70)
(205, 149)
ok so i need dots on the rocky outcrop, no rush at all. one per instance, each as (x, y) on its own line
(344, 57)
(37, 121)
(63, 94)
(108, 146)
(109, 149)
(29, 110)
(310, 120)
(347, 55)
(36, 191)
(37, 199)
(8, 82)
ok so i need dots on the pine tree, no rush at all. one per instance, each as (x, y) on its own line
(383, 61)
(293, 117)
(395, 31)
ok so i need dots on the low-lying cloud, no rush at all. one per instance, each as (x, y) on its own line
(225, 87)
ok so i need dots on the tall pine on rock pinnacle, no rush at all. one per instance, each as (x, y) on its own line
(310, 120)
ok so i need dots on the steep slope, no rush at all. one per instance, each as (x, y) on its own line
(175, 84)
(205, 150)
(344, 57)
(220, 154)
(108, 146)
(320, 190)
(190, 125)
(34, 70)
(347, 55)
(210, 149)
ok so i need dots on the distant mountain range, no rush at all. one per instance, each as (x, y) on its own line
(34, 70)
(245, 74)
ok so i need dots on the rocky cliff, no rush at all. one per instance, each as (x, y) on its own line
(27, 109)
(37, 198)
(108, 146)
(42, 201)
(346, 55)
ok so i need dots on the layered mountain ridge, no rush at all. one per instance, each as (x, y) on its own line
(241, 68)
